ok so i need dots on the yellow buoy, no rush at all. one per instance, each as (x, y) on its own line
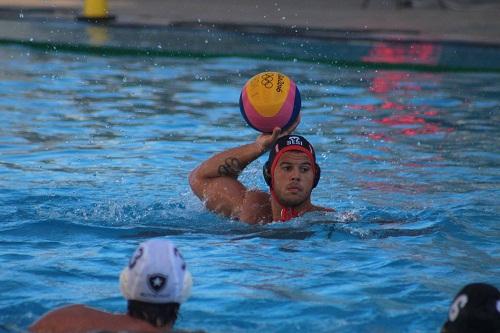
(96, 11)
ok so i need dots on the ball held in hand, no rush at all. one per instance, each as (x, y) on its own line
(269, 100)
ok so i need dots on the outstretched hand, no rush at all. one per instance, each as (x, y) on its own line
(265, 140)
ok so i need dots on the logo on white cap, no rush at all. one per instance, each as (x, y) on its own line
(157, 282)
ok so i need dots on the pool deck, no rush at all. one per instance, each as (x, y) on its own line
(430, 20)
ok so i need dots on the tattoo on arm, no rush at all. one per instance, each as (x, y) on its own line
(231, 167)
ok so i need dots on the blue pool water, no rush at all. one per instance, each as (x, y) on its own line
(95, 153)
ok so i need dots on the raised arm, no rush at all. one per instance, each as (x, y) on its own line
(215, 181)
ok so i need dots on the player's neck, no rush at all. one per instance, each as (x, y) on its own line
(285, 213)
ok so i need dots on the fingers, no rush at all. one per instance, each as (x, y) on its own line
(276, 133)
(267, 139)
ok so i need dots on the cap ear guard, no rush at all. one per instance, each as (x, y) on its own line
(186, 287)
(124, 288)
(266, 172)
(457, 305)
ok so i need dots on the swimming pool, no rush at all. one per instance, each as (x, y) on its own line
(95, 153)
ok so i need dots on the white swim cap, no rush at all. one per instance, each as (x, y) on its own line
(156, 273)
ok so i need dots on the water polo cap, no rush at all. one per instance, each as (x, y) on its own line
(475, 309)
(288, 143)
(156, 273)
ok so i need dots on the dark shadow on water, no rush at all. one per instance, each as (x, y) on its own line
(278, 234)
(361, 233)
(370, 225)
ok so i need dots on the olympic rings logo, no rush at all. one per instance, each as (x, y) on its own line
(267, 80)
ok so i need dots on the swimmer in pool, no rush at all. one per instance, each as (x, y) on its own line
(155, 283)
(291, 173)
(475, 309)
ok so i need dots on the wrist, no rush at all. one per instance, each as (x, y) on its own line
(260, 147)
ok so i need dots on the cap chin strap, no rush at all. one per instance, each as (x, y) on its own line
(186, 287)
(286, 213)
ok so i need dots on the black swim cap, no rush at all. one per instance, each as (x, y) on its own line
(475, 309)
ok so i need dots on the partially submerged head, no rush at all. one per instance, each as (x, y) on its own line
(475, 309)
(291, 170)
(155, 282)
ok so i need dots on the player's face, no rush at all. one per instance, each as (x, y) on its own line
(293, 178)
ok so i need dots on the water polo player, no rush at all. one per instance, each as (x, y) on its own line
(291, 173)
(155, 283)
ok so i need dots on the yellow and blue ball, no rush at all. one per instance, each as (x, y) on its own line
(269, 100)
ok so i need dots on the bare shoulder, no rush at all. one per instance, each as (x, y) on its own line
(258, 195)
(54, 321)
(80, 318)
(256, 207)
(75, 309)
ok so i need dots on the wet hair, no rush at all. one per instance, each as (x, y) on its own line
(158, 315)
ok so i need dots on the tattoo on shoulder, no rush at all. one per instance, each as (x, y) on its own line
(231, 167)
